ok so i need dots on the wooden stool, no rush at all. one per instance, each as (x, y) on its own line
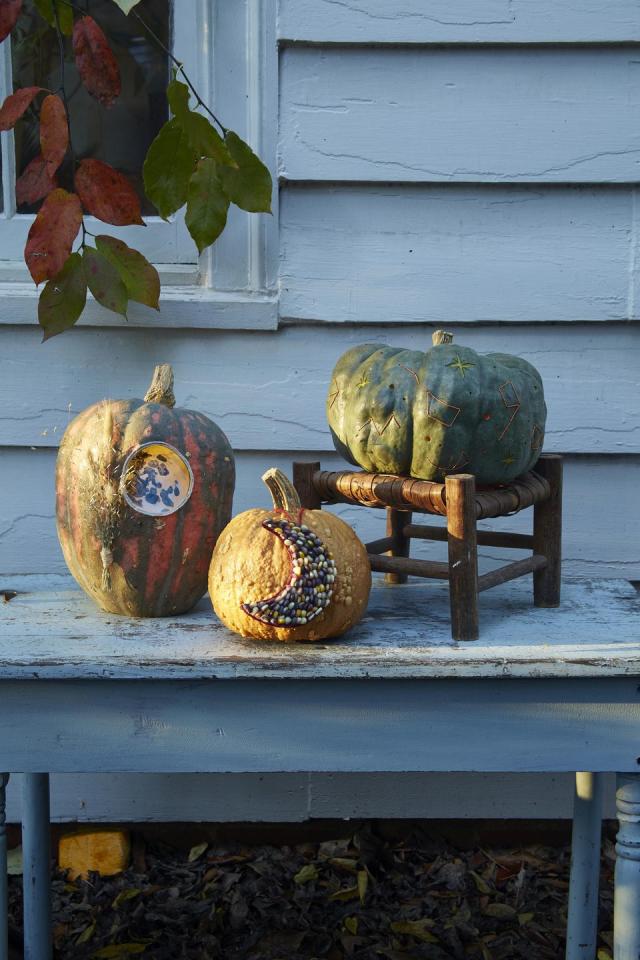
(463, 505)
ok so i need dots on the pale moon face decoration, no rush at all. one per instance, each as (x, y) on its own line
(310, 586)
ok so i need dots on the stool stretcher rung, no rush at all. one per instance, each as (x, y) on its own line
(486, 538)
(381, 545)
(416, 568)
(511, 571)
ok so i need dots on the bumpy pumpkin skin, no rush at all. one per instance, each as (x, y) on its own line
(160, 564)
(249, 564)
(426, 415)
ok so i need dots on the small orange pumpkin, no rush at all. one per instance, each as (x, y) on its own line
(289, 574)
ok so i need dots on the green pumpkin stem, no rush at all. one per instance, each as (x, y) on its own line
(161, 386)
(283, 493)
(441, 336)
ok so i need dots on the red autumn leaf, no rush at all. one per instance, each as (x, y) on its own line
(15, 105)
(107, 194)
(54, 132)
(97, 66)
(9, 13)
(35, 182)
(51, 235)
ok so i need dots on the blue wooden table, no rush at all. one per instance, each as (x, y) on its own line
(556, 690)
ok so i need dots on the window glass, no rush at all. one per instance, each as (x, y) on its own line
(120, 135)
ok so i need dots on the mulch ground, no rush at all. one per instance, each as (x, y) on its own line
(362, 897)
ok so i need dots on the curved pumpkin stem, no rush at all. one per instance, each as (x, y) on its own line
(283, 493)
(161, 387)
(441, 336)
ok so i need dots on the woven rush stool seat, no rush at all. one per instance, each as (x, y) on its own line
(463, 504)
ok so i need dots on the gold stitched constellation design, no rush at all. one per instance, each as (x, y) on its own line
(377, 429)
(334, 396)
(537, 438)
(438, 409)
(457, 464)
(511, 401)
(409, 370)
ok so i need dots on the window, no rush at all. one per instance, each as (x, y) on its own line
(229, 51)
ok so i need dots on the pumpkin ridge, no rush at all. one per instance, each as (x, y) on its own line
(178, 519)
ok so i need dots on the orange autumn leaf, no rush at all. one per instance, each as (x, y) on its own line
(15, 105)
(96, 63)
(9, 13)
(52, 234)
(54, 132)
(107, 194)
(35, 182)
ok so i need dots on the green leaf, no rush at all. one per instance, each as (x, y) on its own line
(65, 14)
(104, 281)
(502, 911)
(63, 298)
(416, 929)
(168, 166)
(196, 852)
(127, 894)
(204, 139)
(178, 97)
(249, 185)
(525, 918)
(138, 275)
(201, 135)
(363, 883)
(349, 893)
(481, 884)
(86, 934)
(127, 5)
(207, 205)
(344, 863)
(308, 873)
(351, 925)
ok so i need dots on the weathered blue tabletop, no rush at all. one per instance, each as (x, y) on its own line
(542, 690)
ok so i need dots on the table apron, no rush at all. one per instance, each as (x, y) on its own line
(129, 726)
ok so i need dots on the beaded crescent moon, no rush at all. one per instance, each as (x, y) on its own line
(310, 585)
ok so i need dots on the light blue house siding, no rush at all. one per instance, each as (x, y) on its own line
(466, 165)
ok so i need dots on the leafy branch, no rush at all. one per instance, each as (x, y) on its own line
(188, 164)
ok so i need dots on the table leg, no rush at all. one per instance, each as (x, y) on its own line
(626, 899)
(4, 893)
(582, 923)
(36, 850)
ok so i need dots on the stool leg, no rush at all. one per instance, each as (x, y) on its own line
(36, 851)
(4, 891)
(396, 522)
(582, 921)
(463, 555)
(303, 482)
(547, 533)
(626, 896)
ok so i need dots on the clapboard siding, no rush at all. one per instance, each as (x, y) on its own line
(461, 114)
(267, 390)
(465, 21)
(595, 540)
(410, 253)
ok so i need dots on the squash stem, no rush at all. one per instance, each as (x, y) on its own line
(283, 493)
(161, 386)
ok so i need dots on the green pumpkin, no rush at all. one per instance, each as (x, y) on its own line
(426, 415)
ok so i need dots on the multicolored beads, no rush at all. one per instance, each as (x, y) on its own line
(310, 586)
